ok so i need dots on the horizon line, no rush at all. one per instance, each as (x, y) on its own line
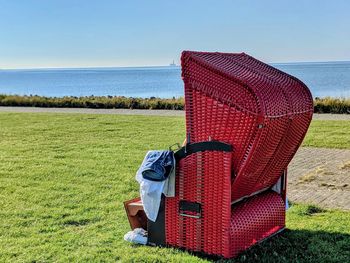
(165, 66)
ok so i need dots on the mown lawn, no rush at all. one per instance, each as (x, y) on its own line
(63, 178)
(328, 134)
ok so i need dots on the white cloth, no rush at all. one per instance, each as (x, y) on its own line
(137, 236)
(151, 192)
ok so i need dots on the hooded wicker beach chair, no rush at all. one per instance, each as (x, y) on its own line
(244, 122)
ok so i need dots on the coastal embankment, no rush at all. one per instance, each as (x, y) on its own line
(321, 105)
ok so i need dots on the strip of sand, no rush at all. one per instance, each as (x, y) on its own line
(345, 117)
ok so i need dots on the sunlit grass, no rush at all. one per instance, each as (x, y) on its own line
(328, 134)
(63, 178)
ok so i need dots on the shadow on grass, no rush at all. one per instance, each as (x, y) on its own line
(297, 246)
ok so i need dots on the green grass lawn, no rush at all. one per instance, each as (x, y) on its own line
(63, 178)
(328, 134)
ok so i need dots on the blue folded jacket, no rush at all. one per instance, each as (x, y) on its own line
(157, 165)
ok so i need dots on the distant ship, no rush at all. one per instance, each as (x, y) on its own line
(172, 64)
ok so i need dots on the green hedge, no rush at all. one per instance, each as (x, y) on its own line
(101, 102)
(321, 105)
(332, 105)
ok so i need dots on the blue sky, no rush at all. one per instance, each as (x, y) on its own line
(75, 33)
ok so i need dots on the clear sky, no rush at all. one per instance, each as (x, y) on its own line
(92, 33)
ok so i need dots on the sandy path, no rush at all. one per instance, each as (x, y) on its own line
(139, 112)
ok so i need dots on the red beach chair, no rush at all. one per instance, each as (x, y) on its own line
(244, 121)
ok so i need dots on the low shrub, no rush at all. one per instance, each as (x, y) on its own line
(332, 105)
(96, 102)
(321, 105)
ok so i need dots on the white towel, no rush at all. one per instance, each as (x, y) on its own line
(151, 192)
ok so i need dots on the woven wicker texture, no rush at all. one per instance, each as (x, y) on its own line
(203, 178)
(255, 219)
(263, 112)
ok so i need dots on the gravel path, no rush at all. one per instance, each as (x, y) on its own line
(95, 111)
(139, 112)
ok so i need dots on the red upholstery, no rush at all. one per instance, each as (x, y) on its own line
(264, 114)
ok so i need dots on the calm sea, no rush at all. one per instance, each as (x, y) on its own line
(324, 79)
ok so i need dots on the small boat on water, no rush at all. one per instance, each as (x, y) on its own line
(172, 64)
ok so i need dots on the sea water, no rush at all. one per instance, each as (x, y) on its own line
(323, 79)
